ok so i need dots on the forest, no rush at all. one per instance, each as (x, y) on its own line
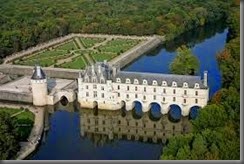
(26, 23)
(216, 131)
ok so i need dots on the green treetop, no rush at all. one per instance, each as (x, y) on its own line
(185, 62)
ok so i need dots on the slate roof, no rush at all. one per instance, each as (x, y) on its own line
(38, 74)
(169, 78)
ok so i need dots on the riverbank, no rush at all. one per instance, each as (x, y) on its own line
(33, 140)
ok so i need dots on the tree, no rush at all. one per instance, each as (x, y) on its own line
(185, 62)
(8, 137)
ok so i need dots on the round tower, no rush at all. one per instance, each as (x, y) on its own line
(39, 87)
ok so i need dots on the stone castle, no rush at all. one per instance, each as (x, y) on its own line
(106, 87)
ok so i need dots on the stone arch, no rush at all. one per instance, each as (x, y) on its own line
(175, 112)
(137, 109)
(155, 109)
(194, 110)
(64, 100)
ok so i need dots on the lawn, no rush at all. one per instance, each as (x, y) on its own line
(118, 45)
(45, 59)
(9, 110)
(100, 57)
(67, 46)
(90, 42)
(77, 63)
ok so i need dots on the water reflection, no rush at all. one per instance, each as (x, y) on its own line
(108, 126)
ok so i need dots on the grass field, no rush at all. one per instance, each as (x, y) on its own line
(100, 57)
(90, 42)
(118, 45)
(77, 63)
(67, 46)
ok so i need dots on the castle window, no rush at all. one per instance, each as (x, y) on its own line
(174, 84)
(185, 84)
(163, 99)
(164, 83)
(127, 80)
(118, 87)
(95, 94)
(154, 89)
(196, 93)
(144, 97)
(127, 96)
(94, 86)
(87, 87)
(184, 100)
(145, 89)
(136, 81)
(185, 92)
(145, 82)
(102, 88)
(135, 88)
(155, 82)
(102, 95)
(174, 99)
(196, 85)
(196, 101)
(118, 80)
(128, 88)
(164, 90)
(118, 94)
(136, 96)
(173, 91)
(87, 94)
(154, 97)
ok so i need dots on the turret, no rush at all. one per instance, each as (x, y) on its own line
(205, 78)
(39, 87)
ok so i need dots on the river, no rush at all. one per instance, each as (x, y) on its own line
(81, 134)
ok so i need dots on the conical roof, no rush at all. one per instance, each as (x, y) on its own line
(38, 74)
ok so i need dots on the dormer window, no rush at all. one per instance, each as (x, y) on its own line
(174, 84)
(136, 81)
(164, 83)
(86, 79)
(185, 85)
(94, 80)
(128, 81)
(118, 80)
(196, 85)
(145, 82)
(155, 82)
(102, 80)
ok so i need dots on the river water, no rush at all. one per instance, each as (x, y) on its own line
(82, 134)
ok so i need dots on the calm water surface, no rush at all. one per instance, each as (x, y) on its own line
(75, 133)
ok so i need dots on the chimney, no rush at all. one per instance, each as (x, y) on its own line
(114, 71)
(205, 78)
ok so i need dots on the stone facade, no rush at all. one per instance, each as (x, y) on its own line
(109, 88)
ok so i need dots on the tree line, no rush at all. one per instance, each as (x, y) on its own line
(26, 23)
(216, 131)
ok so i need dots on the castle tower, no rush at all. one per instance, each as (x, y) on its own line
(39, 87)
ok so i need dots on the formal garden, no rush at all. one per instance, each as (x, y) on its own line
(79, 52)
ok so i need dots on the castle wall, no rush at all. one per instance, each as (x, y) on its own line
(16, 96)
(50, 72)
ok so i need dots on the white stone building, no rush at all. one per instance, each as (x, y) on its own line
(109, 88)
